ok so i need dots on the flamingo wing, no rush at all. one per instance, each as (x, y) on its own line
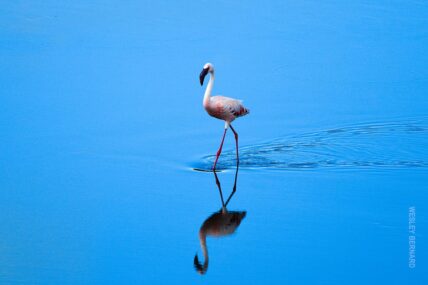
(230, 105)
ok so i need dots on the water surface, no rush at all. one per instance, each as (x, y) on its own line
(101, 126)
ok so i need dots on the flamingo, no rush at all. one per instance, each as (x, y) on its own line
(219, 224)
(220, 107)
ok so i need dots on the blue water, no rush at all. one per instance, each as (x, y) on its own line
(371, 146)
(102, 128)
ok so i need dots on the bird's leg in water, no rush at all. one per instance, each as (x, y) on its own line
(219, 190)
(219, 150)
(234, 187)
(236, 140)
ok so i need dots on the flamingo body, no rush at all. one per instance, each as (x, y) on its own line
(225, 108)
(219, 224)
(220, 107)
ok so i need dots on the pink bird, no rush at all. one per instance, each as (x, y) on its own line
(223, 108)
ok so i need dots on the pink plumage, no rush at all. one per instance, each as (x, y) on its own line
(225, 108)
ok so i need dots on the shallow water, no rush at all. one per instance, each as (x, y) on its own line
(101, 128)
(369, 146)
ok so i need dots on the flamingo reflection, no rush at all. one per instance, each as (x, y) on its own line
(219, 224)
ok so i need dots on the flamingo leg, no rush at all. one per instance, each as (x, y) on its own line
(219, 190)
(236, 140)
(234, 187)
(219, 150)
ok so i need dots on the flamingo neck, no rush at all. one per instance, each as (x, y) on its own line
(209, 89)
(203, 241)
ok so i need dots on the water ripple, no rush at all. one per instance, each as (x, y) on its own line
(381, 145)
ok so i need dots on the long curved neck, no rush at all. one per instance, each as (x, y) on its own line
(209, 89)
(203, 241)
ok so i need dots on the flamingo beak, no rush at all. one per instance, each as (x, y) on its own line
(204, 73)
(202, 269)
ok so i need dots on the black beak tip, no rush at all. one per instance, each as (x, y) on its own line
(202, 75)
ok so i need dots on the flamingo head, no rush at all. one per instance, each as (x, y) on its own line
(201, 268)
(208, 68)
